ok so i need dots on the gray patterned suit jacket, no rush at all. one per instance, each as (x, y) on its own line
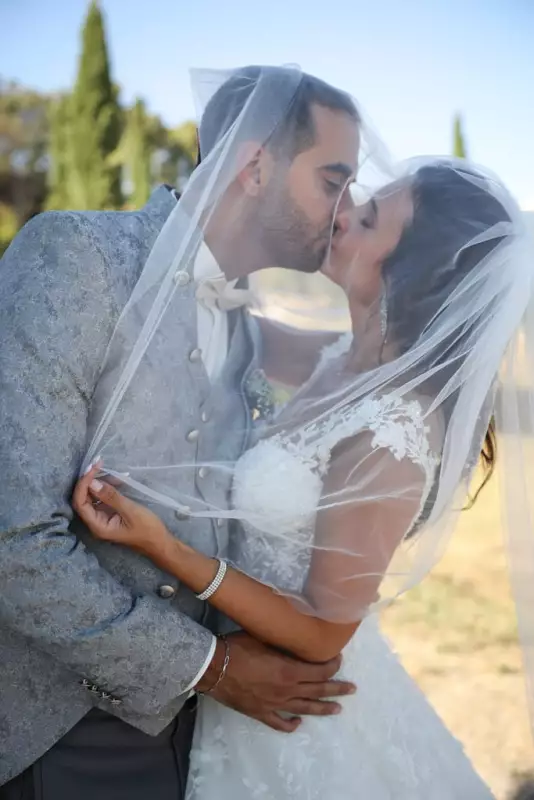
(75, 613)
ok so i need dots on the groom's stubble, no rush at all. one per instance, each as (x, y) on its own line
(297, 213)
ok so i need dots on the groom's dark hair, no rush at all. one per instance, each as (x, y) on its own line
(297, 126)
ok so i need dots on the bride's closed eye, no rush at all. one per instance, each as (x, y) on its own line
(368, 221)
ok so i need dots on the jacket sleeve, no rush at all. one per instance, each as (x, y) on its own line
(56, 318)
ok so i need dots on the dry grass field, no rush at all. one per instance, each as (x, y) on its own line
(456, 635)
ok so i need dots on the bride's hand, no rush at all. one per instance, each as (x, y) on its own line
(112, 517)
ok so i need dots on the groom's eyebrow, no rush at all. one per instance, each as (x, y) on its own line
(340, 169)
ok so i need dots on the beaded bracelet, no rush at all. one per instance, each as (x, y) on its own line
(210, 590)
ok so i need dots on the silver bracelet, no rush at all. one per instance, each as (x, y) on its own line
(216, 582)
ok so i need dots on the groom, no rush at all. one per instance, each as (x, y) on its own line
(99, 651)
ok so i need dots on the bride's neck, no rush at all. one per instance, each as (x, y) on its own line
(368, 349)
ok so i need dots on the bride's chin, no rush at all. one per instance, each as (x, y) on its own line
(335, 272)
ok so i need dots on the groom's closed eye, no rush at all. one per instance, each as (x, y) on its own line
(337, 176)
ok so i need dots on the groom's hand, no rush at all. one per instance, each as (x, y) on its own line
(261, 683)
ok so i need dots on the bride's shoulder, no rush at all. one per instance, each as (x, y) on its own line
(405, 424)
(432, 418)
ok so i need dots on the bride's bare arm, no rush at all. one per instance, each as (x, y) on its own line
(267, 615)
(371, 501)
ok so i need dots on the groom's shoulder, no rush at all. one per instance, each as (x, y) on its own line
(112, 232)
(86, 226)
(105, 236)
(112, 245)
(61, 228)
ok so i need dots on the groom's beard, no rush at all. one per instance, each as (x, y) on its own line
(288, 237)
(292, 243)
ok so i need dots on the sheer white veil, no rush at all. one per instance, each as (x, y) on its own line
(456, 345)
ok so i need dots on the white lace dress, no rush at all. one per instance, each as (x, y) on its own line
(388, 743)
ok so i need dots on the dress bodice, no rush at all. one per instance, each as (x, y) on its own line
(278, 482)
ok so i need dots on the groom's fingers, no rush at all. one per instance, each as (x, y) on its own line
(312, 708)
(317, 673)
(278, 723)
(318, 691)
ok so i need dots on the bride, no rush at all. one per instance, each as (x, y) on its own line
(347, 494)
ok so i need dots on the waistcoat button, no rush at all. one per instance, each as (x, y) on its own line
(183, 513)
(166, 592)
(182, 278)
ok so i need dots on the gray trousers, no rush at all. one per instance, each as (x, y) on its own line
(103, 758)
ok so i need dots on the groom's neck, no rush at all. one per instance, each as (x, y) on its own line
(235, 254)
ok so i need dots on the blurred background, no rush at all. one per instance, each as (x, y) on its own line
(95, 110)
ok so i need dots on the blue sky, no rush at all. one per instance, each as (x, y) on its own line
(411, 63)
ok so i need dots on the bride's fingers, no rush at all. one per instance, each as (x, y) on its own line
(111, 497)
(82, 502)
(278, 723)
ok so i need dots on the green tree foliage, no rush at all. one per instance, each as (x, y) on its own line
(59, 152)
(23, 149)
(79, 149)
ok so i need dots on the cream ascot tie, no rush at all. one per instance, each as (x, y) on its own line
(219, 293)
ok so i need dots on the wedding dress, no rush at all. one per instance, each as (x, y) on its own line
(388, 743)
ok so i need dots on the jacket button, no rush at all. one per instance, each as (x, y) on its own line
(203, 471)
(195, 355)
(192, 436)
(166, 591)
(205, 416)
(220, 523)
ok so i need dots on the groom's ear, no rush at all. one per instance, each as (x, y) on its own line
(255, 166)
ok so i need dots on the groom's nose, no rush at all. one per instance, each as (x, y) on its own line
(344, 207)
(346, 201)
(343, 222)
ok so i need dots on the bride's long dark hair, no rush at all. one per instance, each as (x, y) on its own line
(432, 258)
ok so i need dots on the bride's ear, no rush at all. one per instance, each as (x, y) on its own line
(255, 167)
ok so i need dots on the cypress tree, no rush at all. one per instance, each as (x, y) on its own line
(459, 145)
(95, 182)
